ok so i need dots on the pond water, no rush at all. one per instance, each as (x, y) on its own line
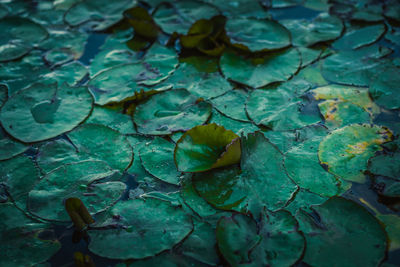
(200, 133)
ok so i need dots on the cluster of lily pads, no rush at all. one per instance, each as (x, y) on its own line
(201, 133)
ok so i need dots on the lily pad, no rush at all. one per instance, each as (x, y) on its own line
(274, 242)
(22, 36)
(304, 200)
(24, 242)
(179, 16)
(112, 118)
(71, 73)
(232, 104)
(302, 165)
(387, 187)
(259, 72)
(146, 227)
(240, 8)
(170, 111)
(87, 142)
(323, 28)
(42, 112)
(244, 191)
(360, 37)
(238, 127)
(194, 201)
(9, 147)
(386, 165)
(338, 224)
(346, 151)
(207, 147)
(94, 182)
(278, 109)
(158, 159)
(257, 35)
(101, 13)
(123, 81)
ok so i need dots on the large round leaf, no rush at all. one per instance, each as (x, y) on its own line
(259, 72)
(94, 182)
(238, 127)
(245, 191)
(170, 111)
(44, 111)
(24, 242)
(360, 37)
(257, 35)
(9, 147)
(386, 165)
(232, 104)
(342, 233)
(18, 37)
(274, 242)
(146, 227)
(206, 147)
(157, 158)
(346, 150)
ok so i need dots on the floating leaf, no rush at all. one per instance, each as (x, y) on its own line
(9, 147)
(232, 104)
(257, 35)
(158, 159)
(112, 118)
(94, 182)
(339, 224)
(346, 151)
(304, 200)
(275, 242)
(385, 165)
(42, 112)
(240, 8)
(146, 227)
(238, 127)
(141, 22)
(259, 72)
(360, 37)
(22, 36)
(194, 201)
(207, 147)
(24, 242)
(170, 111)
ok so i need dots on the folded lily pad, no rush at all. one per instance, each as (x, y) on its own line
(87, 142)
(346, 151)
(145, 227)
(278, 109)
(101, 13)
(22, 36)
(302, 165)
(259, 72)
(244, 191)
(42, 112)
(207, 147)
(385, 165)
(339, 224)
(170, 111)
(94, 182)
(322, 28)
(123, 81)
(179, 16)
(274, 242)
(158, 159)
(360, 37)
(257, 35)
(24, 241)
(232, 104)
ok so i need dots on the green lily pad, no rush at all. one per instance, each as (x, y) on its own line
(87, 142)
(200, 76)
(112, 118)
(123, 81)
(170, 111)
(22, 36)
(346, 151)
(42, 112)
(323, 28)
(194, 201)
(9, 147)
(19, 175)
(94, 182)
(71, 73)
(339, 224)
(232, 104)
(206, 147)
(309, 55)
(387, 187)
(304, 200)
(102, 14)
(278, 109)
(360, 37)
(259, 72)
(244, 191)
(257, 35)
(238, 127)
(386, 165)
(302, 165)
(274, 242)
(392, 227)
(240, 8)
(146, 227)
(158, 159)
(24, 242)
(179, 16)
(384, 87)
